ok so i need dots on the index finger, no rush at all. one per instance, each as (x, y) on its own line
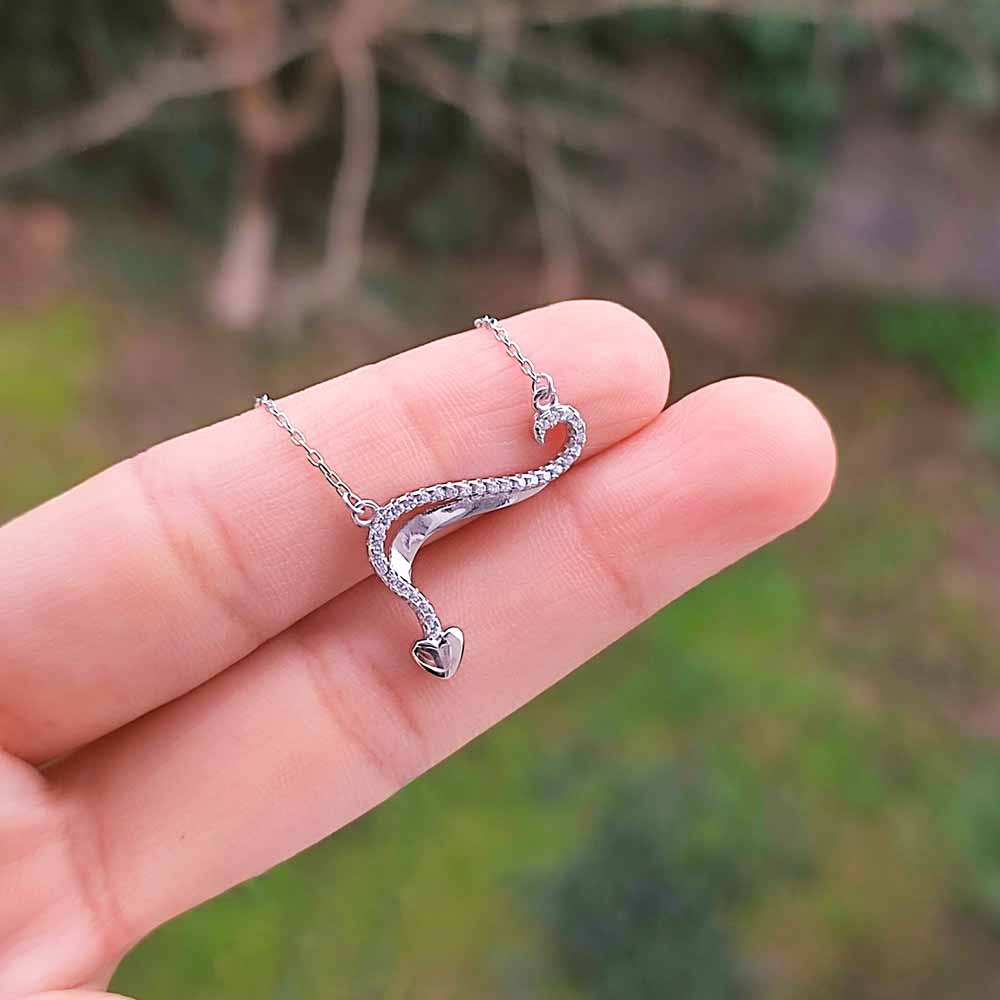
(153, 576)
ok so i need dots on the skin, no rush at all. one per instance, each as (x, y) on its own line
(199, 677)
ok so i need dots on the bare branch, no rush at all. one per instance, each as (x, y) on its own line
(169, 78)
(460, 17)
(504, 131)
(208, 17)
(555, 213)
(134, 101)
(541, 157)
(353, 185)
(240, 290)
(268, 123)
(682, 112)
(700, 119)
(496, 51)
(273, 125)
(350, 48)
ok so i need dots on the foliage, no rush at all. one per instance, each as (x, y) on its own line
(49, 361)
(797, 80)
(778, 827)
(55, 54)
(975, 823)
(960, 343)
(639, 912)
(765, 65)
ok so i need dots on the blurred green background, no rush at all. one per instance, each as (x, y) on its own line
(787, 784)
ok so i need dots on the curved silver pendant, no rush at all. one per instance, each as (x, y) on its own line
(440, 651)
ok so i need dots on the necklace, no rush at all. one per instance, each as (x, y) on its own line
(441, 505)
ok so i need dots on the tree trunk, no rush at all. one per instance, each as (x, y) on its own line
(240, 291)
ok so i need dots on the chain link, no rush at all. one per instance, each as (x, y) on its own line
(543, 397)
(362, 510)
(543, 388)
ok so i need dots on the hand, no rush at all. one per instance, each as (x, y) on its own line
(194, 643)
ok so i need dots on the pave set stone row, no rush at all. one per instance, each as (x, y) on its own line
(466, 488)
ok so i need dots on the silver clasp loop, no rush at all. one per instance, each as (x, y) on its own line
(544, 395)
(358, 515)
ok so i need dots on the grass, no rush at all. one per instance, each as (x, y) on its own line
(822, 806)
(784, 753)
(958, 342)
(50, 360)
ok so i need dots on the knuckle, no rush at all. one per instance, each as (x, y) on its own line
(66, 924)
(599, 553)
(416, 422)
(365, 711)
(200, 541)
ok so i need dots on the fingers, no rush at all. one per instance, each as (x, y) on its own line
(52, 914)
(143, 582)
(332, 717)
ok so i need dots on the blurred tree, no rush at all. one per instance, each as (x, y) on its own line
(640, 912)
(731, 107)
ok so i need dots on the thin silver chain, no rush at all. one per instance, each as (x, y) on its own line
(543, 397)
(543, 389)
(362, 510)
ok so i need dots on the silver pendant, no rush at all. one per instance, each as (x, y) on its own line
(440, 650)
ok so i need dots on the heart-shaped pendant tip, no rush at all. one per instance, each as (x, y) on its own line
(442, 656)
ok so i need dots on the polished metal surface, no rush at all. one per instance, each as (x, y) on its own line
(440, 650)
(420, 527)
